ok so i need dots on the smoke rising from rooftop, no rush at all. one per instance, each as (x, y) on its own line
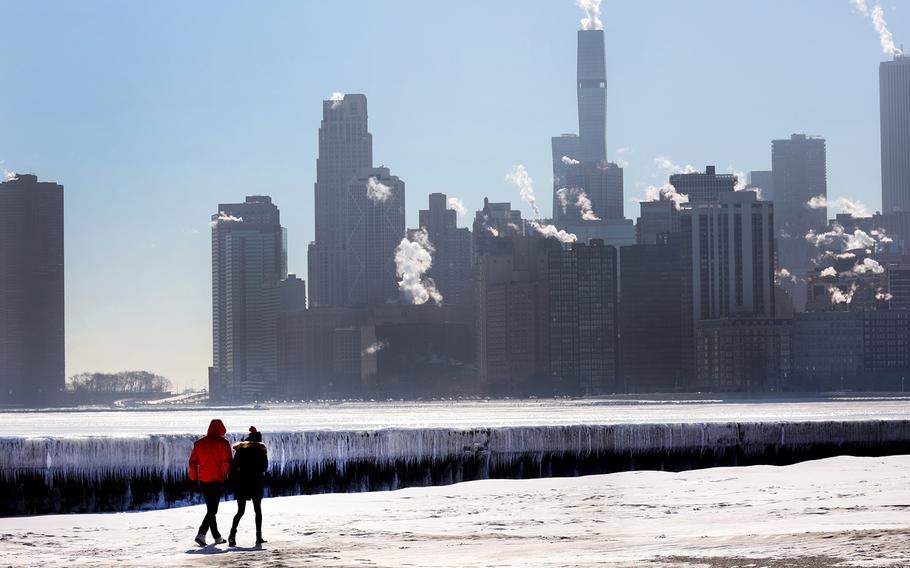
(591, 21)
(458, 206)
(877, 16)
(378, 192)
(413, 258)
(520, 178)
(336, 99)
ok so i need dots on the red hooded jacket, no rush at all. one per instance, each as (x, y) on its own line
(211, 457)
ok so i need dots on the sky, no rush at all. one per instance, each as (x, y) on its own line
(150, 114)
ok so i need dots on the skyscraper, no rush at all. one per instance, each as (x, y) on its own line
(580, 162)
(247, 267)
(32, 358)
(799, 175)
(345, 149)
(703, 187)
(894, 94)
(452, 260)
(730, 248)
(375, 221)
(582, 327)
(592, 96)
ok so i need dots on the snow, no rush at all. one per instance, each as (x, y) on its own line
(823, 513)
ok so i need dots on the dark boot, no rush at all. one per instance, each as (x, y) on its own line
(259, 540)
(232, 538)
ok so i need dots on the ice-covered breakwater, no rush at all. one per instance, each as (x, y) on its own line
(52, 474)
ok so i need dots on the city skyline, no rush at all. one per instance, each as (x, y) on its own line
(98, 309)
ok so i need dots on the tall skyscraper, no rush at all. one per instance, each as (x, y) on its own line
(651, 299)
(580, 162)
(452, 259)
(375, 221)
(247, 267)
(582, 327)
(703, 187)
(345, 149)
(32, 357)
(762, 180)
(894, 94)
(592, 96)
(731, 254)
(799, 172)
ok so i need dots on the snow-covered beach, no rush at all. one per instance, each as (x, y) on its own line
(841, 511)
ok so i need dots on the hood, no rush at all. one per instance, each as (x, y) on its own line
(216, 428)
(249, 444)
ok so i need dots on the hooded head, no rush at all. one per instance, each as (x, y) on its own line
(255, 435)
(216, 428)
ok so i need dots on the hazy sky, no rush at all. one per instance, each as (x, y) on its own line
(152, 113)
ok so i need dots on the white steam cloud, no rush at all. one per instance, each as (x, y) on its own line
(855, 208)
(376, 347)
(669, 166)
(666, 192)
(883, 296)
(868, 265)
(582, 201)
(828, 272)
(378, 192)
(336, 99)
(520, 178)
(458, 206)
(413, 258)
(225, 218)
(569, 161)
(877, 16)
(839, 296)
(591, 21)
(840, 239)
(551, 232)
(782, 274)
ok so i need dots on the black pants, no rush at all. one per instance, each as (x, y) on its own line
(211, 491)
(241, 508)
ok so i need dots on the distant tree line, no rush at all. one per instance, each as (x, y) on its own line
(128, 382)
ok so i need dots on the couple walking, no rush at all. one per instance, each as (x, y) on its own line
(213, 466)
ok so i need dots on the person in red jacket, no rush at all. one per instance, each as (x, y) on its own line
(210, 463)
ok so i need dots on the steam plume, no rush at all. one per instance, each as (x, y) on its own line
(457, 205)
(828, 272)
(591, 21)
(336, 99)
(569, 161)
(868, 265)
(582, 201)
(549, 231)
(413, 257)
(520, 178)
(839, 296)
(666, 192)
(378, 192)
(855, 208)
(225, 218)
(376, 347)
(669, 166)
(877, 16)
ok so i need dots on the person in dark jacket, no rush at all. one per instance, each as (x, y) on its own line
(251, 460)
(210, 464)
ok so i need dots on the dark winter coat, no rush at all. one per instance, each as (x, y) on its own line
(211, 457)
(251, 460)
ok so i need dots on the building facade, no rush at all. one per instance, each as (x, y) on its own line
(731, 255)
(894, 95)
(582, 327)
(345, 149)
(704, 187)
(451, 269)
(32, 354)
(376, 226)
(248, 263)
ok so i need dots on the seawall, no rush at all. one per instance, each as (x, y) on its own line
(40, 475)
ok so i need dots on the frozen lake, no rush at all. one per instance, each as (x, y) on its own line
(360, 416)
